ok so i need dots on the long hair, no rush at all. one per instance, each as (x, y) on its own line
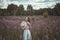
(28, 19)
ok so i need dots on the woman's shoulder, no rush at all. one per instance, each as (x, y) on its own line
(23, 23)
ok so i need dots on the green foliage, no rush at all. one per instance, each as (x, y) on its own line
(20, 10)
(45, 14)
(12, 9)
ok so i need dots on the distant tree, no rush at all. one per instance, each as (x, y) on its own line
(20, 10)
(45, 14)
(5, 12)
(50, 11)
(30, 10)
(0, 12)
(12, 9)
(39, 12)
(57, 9)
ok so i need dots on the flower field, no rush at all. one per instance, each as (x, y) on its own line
(42, 28)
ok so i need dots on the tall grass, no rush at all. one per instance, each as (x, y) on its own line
(41, 34)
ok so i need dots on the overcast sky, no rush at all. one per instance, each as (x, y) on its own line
(35, 3)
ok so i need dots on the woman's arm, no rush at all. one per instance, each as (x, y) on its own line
(22, 25)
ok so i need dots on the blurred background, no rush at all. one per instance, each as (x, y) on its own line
(44, 18)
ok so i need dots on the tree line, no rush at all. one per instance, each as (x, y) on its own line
(14, 10)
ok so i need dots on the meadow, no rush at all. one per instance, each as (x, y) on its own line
(42, 28)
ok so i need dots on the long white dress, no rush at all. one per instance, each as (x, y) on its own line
(27, 33)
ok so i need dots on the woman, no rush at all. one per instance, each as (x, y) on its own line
(25, 25)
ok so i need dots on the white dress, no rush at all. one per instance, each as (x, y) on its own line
(27, 33)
